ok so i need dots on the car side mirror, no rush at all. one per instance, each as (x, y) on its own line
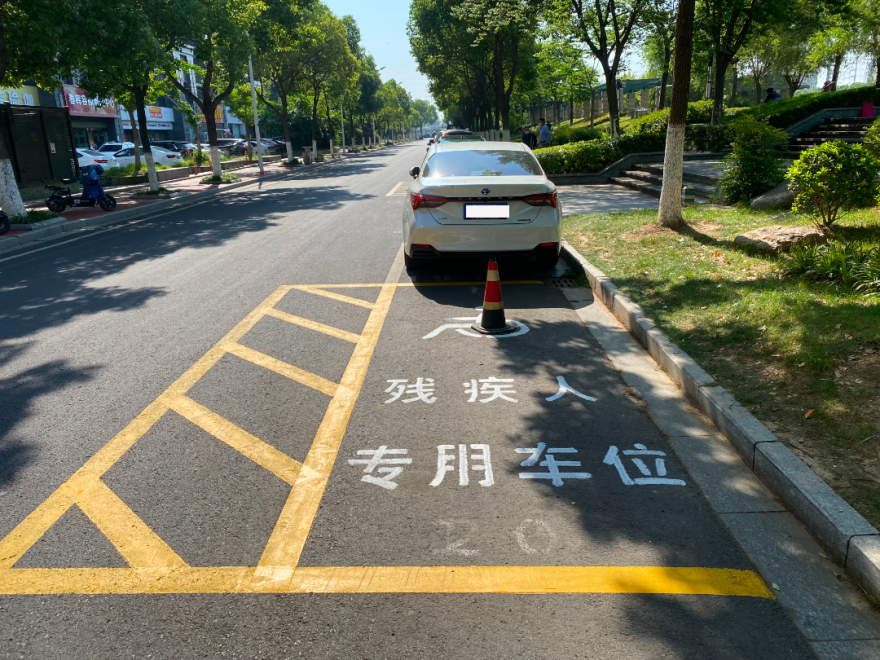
(414, 173)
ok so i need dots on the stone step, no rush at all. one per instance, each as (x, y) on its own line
(833, 135)
(863, 121)
(689, 177)
(811, 140)
(652, 189)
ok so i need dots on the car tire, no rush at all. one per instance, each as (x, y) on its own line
(411, 263)
(546, 261)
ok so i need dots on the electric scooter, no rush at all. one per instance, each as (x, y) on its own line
(4, 223)
(92, 192)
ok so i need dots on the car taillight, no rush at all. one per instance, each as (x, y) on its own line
(426, 201)
(544, 199)
(170, 156)
(98, 160)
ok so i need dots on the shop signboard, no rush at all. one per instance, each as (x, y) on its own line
(27, 95)
(80, 105)
(158, 118)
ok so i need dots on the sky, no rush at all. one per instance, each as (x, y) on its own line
(383, 33)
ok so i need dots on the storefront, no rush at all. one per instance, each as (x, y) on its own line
(27, 95)
(160, 123)
(93, 120)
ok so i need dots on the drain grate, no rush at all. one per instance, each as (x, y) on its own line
(561, 282)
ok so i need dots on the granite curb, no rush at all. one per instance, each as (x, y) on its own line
(14, 243)
(848, 537)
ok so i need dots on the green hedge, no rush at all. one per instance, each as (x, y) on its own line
(699, 112)
(595, 155)
(566, 134)
(783, 114)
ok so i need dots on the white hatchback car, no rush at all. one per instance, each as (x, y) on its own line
(481, 199)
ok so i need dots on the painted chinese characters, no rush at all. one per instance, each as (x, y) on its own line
(378, 458)
(480, 461)
(553, 473)
(492, 388)
(647, 479)
(565, 388)
(421, 390)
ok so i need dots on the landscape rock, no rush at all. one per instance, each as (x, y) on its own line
(778, 196)
(778, 238)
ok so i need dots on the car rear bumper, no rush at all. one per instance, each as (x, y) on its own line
(537, 252)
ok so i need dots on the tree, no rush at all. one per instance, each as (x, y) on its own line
(657, 24)
(368, 103)
(329, 68)
(606, 27)
(868, 12)
(725, 26)
(757, 58)
(241, 104)
(217, 30)
(506, 24)
(34, 43)
(830, 44)
(670, 195)
(562, 73)
(426, 111)
(123, 62)
(282, 39)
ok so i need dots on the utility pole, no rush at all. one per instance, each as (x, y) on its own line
(256, 118)
(342, 121)
(709, 80)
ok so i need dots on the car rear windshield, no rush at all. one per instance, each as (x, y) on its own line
(482, 162)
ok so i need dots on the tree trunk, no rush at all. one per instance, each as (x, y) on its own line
(664, 79)
(211, 127)
(838, 60)
(315, 125)
(670, 195)
(10, 196)
(720, 74)
(794, 83)
(611, 92)
(877, 71)
(140, 94)
(135, 140)
(757, 78)
(733, 87)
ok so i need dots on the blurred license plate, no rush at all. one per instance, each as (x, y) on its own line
(486, 211)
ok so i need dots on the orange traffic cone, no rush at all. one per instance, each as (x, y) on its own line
(492, 321)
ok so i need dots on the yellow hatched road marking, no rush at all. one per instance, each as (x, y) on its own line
(285, 545)
(261, 453)
(393, 579)
(338, 296)
(314, 325)
(397, 191)
(156, 568)
(294, 373)
(136, 542)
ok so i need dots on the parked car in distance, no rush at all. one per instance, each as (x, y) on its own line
(181, 147)
(459, 136)
(161, 156)
(478, 201)
(86, 157)
(113, 147)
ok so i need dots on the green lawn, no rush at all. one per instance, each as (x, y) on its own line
(782, 346)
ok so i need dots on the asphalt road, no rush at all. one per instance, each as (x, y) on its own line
(203, 456)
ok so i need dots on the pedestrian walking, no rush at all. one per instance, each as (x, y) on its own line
(544, 134)
(528, 138)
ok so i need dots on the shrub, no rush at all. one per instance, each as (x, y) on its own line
(872, 139)
(783, 114)
(706, 137)
(856, 265)
(594, 155)
(567, 134)
(755, 165)
(699, 112)
(833, 177)
(226, 177)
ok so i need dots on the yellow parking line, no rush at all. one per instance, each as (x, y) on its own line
(136, 542)
(32, 528)
(316, 288)
(395, 191)
(288, 370)
(314, 325)
(285, 545)
(395, 579)
(261, 453)
(338, 296)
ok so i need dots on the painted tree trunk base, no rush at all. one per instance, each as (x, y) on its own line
(670, 195)
(215, 161)
(152, 179)
(289, 146)
(505, 136)
(314, 150)
(10, 196)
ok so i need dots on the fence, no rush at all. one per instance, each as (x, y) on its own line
(39, 142)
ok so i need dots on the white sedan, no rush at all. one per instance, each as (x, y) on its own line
(160, 157)
(481, 199)
(86, 157)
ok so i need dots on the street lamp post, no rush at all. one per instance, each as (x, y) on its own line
(342, 121)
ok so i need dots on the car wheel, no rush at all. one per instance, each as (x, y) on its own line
(546, 261)
(411, 263)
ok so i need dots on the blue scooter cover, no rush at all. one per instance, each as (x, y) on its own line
(90, 178)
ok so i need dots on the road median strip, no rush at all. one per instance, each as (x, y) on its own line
(845, 533)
